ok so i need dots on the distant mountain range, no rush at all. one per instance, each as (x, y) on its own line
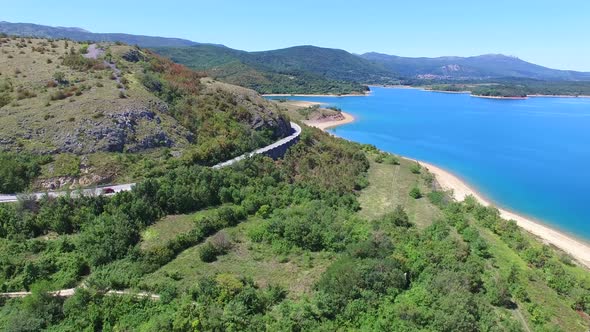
(78, 34)
(489, 66)
(311, 69)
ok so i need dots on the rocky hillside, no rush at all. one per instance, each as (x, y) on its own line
(63, 97)
(57, 99)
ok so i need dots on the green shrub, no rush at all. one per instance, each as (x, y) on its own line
(18, 170)
(398, 217)
(415, 193)
(5, 99)
(437, 198)
(208, 253)
(391, 160)
(80, 63)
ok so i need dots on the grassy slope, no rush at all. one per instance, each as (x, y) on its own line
(295, 272)
(556, 308)
(39, 124)
(390, 186)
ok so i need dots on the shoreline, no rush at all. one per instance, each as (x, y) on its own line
(424, 88)
(499, 97)
(557, 96)
(576, 248)
(318, 95)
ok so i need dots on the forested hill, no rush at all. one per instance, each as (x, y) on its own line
(78, 34)
(301, 69)
(489, 66)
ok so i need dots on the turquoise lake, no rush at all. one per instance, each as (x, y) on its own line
(529, 156)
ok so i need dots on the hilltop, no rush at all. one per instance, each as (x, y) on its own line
(91, 104)
(79, 34)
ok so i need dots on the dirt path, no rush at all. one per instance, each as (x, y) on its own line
(94, 52)
(522, 320)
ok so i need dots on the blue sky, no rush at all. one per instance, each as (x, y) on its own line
(551, 33)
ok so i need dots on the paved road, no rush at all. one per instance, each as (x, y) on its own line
(71, 291)
(127, 186)
(296, 133)
(86, 192)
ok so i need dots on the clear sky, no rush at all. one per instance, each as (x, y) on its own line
(547, 32)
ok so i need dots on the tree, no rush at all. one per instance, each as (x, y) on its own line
(108, 237)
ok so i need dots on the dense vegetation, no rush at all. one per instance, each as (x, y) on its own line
(18, 170)
(506, 91)
(467, 270)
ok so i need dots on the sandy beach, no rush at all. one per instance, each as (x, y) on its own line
(579, 250)
(300, 103)
(323, 124)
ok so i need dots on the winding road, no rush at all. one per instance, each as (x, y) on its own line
(128, 186)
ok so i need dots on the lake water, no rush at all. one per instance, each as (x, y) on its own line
(528, 156)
